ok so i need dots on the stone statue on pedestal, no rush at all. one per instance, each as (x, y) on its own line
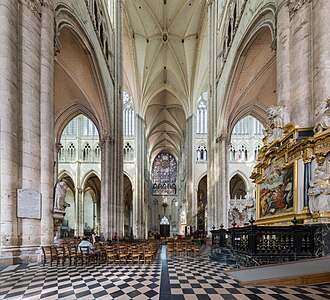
(60, 193)
(319, 191)
(275, 122)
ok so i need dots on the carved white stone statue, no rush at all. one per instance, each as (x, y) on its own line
(60, 193)
(275, 122)
(319, 191)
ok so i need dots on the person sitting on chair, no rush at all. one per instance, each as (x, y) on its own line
(86, 243)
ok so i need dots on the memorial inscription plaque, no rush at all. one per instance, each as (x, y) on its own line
(28, 204)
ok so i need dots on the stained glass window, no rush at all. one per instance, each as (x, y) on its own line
(164, 171)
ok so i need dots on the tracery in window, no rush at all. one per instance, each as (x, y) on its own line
(128, 114)
(61, 153)
(201, 153)
(88, 127)
(201, 114)
(87, 152)
(71, 152)
(71, 128)
(128, 152)
(256, 151)
(242, 153)
(164, 173)
(232, 152)
(97, 152)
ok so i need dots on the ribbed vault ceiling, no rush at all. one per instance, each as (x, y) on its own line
(169, 41)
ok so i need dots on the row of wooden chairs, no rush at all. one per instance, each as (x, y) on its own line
(70, 252)
(131, 252)
(109, 252)
(183, 248)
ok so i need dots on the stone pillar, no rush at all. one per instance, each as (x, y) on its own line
(47, 120)
(30, 25)
(139, 214)
(118, 182)
(212, 118)
(300, 40)
(222, 183)
(106, 177)
(9, 112)
(321, 55)
(283, 87)
(79, 209)
(190, 196)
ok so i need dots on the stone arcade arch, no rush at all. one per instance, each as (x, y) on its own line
(248, 87)
(84, 83)
(91, 204)
(128, 207)
(68, 227)
(201, 222)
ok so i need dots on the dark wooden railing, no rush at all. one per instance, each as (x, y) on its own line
(254, 245)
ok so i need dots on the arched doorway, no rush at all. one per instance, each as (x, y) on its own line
(91, 205)
(201, 208)
(68, 226)
(237, 214)
(128, 207)
(80, 155)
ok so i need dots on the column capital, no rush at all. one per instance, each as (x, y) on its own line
(106, 139)
(209, 3)
(33, 5)
(295, 5)
(222, 137)
(79, 190)
(48, 4)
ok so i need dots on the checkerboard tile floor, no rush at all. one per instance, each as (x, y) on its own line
(81, 282)
(201, 278)
(189, 278)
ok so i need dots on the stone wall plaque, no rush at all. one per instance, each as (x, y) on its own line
(28, 204)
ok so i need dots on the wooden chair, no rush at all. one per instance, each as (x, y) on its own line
(148, 255)
(73, 253)
(122, 254)
(47, 253)
(135, 255)
(86, 253)
(111, 254)
(58, 253)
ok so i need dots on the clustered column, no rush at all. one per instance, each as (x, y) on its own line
(190, 197)
(47, 120)
(139, 214)
(321, 55)
(212, 166)
(283, 89)
(9, 113)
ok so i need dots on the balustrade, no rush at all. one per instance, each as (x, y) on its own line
(267, 244)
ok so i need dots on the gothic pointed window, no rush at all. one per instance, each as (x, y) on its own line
(87, 152)
(201, 152)
(128, 114)
(61, 153)
(128, 152)
(201, 114)
(164, 173)
(71, 152)
(88, 127)
(97, 152)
